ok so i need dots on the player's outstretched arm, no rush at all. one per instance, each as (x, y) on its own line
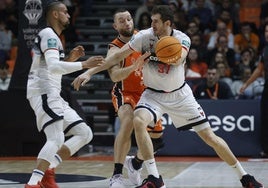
(91, 63)
(94, 61)
(110, 61)
(256, 73)
(81, 80)
(118, 73)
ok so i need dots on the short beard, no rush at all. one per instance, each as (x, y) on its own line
(65, 26)
(127, 33)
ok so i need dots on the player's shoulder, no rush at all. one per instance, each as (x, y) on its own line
(116, 43)
(48, 31)
(146, 32)
(180, 34)
(49, 39)
(183, 37)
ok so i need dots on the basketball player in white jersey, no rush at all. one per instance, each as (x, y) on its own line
(54, 116)
(168, 93)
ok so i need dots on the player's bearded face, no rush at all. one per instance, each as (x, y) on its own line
(63, 16)
(126, 33)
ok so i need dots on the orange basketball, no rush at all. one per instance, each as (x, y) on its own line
(168, 49)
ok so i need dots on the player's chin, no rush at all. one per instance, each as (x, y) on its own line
(66, 25)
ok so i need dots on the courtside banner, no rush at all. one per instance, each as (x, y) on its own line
(236, 121)
(31, 22)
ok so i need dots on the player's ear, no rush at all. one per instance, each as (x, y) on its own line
(114, 26)
(168, 23)
(55, 13)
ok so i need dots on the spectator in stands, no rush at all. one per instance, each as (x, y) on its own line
(186, 5)
(253, 91)
(225, 17)
(222, 46)
(190, 73)
(189, 4)
(180, 20)
(173, 5)
(220, 57)
(223, 68)
(246, 60)
(246, 38)
(212, 88)
(230, 10)
(191, 77)
(146, 7)
(199, 44)
(211, 4)
(194, 62)
(221, 30)
(202, 13)
(193, 28)
(5, 77)
(6, 37)
(144, 21)
(254, 56)
(180, 17)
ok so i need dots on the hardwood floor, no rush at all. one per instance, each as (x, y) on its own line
(95, 169)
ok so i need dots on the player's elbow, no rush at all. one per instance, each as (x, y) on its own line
(115, 77)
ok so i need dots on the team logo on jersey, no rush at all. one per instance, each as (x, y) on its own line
(185, 43)
(51, 43)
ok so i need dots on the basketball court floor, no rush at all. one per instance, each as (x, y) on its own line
(93, 170)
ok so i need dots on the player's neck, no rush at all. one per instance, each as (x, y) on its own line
(168, 32)
(57, 28)
(123, 38)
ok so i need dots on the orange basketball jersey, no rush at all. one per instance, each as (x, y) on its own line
(130, 89)
(133, 83)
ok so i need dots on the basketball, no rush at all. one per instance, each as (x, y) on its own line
(168, 49)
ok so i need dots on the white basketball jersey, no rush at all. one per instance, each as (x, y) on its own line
(40, 80)
(158, 75)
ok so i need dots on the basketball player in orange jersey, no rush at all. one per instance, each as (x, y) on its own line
(167, 92)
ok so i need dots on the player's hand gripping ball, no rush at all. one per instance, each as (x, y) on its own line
(168, 49)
